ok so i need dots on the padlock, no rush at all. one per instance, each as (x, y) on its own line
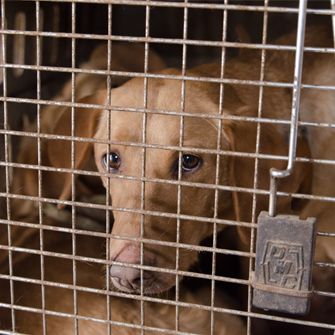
(284, 260)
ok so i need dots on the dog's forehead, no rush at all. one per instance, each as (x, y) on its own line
(159, 129)
(163, 105)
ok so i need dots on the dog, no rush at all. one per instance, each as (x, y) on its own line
(121, 165)
(162, 130)
(92, 313)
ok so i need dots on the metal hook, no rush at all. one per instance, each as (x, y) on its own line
(275, 173)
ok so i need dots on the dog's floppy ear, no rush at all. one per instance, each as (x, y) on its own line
(243, 232)
(59, 151)
(274, 140)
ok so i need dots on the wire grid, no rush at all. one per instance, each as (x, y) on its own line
(74, 70)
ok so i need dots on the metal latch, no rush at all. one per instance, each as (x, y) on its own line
(285, 244)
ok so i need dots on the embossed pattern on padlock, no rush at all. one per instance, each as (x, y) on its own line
(283, 266)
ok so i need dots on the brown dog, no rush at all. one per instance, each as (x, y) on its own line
(92, 314)
(121, 164)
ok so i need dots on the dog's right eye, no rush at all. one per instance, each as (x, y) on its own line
(111, 161)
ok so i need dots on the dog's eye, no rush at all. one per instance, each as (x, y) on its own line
(111, 161)
(190, 162)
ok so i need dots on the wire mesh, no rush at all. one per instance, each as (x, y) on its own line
(180, 231)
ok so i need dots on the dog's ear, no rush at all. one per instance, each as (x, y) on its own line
(85, 123)
(243, 232)
(274, 140)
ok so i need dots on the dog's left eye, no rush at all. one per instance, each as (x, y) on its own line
(111, 161)
(190, 162)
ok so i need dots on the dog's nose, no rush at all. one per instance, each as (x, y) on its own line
(128, 279)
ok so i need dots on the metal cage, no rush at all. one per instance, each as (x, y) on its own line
(56, 251)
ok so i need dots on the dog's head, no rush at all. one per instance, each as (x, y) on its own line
(169, 176)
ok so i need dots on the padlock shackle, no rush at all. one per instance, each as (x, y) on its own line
(275, 173)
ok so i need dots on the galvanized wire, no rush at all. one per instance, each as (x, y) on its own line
(74, 228)
(7, 155)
